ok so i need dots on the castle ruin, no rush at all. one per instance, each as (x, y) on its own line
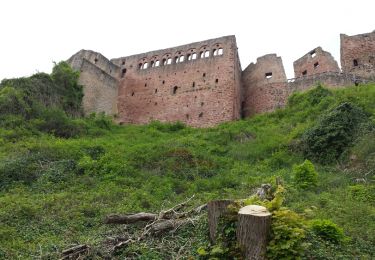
(202, 84)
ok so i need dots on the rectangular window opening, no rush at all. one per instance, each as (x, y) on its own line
(268, 75)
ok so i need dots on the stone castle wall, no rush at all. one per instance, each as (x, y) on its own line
(264, 85)
(202, 84)
(358, 54)
(315, 62)
(99, 79)
(198, 84)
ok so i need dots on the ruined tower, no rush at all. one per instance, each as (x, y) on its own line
(264, 85)
(358, 54)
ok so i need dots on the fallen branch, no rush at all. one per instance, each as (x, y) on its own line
(129, 218)
(74, 252)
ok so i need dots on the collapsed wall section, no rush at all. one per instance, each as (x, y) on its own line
(314, 62)
(264, 85)
(197, 83)
(98, 77)
(358, 54)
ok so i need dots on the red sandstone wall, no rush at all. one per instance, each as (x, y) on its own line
(207, 89)
(358, 54)
(264, 92)
(315, 62)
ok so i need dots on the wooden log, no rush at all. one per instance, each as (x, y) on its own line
(166, 225)
(253, 227)
(216, 208)
(129, 218)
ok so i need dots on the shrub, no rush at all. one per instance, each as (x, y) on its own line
(287, 235)
(334, 132)
(13, 101)
(56, 122)
(305, 175)
(167, 127)
(327, 230)
(364, 193)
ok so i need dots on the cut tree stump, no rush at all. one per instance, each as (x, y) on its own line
(216, 208)
(254, 223)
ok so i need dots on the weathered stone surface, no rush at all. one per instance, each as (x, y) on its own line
(315, 62)
(99, 77)
(200, 92)
(358, 54)
(264, 85)
(202, 85)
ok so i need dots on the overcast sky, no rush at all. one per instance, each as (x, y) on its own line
(34, 33)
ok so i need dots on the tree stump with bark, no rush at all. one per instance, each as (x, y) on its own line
(215, 209)
(254, 223)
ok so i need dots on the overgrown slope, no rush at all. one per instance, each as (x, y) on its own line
(55, 189)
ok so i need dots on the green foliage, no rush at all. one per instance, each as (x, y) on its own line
(327, 230)
(364, 193)
(12, 101)
(335, 131)
(167, 127)
(55, 191)
(288, 231)
(305, 175)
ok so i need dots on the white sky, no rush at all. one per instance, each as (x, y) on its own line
(34, 33)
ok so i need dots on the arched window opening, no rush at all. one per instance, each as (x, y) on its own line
(201, 54)
(152, 64)
(316, 65)
(175, 90)
(157, 63)
(355, 63)
(140, 66)
(182, 58)
(220, 51)
(145, 65)
(215, 52)
(207, 54)
(188, 57)
(169, 61)
(176, 60)
(95, 60)
(164, 62)
(194, 56)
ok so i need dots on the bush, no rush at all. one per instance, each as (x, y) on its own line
(56, 122)
(287, 235)
(327, 230)
(364, 193)
(305, 175)
(335, 131)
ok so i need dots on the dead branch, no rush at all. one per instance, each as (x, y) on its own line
(74, 252)
(129, 218)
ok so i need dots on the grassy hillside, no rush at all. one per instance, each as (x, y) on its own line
(55, 189)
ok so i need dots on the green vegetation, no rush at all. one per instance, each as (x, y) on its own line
(305, 175)
(60, 174)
